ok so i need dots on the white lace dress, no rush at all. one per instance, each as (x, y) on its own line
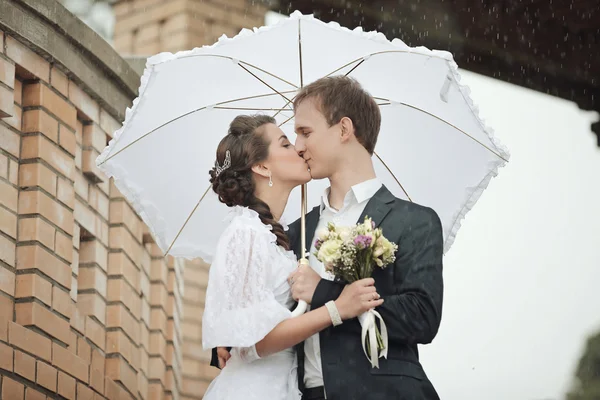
(247, 296)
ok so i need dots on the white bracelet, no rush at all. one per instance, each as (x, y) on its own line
(333, 313)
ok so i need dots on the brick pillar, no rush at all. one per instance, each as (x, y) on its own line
(89, 308)
(146, 27)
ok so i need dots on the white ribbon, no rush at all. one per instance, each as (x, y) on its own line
(368, 323)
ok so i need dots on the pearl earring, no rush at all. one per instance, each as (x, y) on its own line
(270, 180)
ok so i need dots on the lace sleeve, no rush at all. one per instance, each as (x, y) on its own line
(240, 307)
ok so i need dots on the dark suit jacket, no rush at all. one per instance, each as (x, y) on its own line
(412, 289)
(413, 292)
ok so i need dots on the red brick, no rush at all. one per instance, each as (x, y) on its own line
(28, 340)
(7, 73)
(66, 140)
(18, 92)
(37, 174)
(117, 369)
(84, 350)
(7, 251)
(95, 332)
(9, 195)
(3, 166)
(84, 392)
(143, 387)
(108, 123)
(7, 106)
(61, 302)
(88, 165)
(32, 394)
(72, 345)
(13, 172)
(122, 213)
(47, 376)
(6, 357)
(118, 317)
(81, 185)
(121, 238)
(79, 158)
(93, 278)
(8, 223)
(7, 281)
(93, 252)
(97, 371)
(37, 202)
(78, 321)
(93, 305)
(70, 363)
(36, 229)
(36, 257)
(59, 81)
(11, 141)
(64, 246)
(66, 386)
(25, 365)
(66, 192)
(38, 146)
(27, 59)
(12, 389)
(99, 201)
(16, 118)
(33, 285)
(84, 103)
(121, 266)
(38, 94)
(40, 121)
(34, 314)
(118, 290)
(118, 342)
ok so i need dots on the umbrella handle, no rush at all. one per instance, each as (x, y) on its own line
(302, 305)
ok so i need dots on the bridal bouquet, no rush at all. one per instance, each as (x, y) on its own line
(351, 254)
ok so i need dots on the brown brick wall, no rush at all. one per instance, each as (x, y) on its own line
(146, 27)
(89, 308)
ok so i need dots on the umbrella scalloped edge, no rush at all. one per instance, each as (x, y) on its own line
(134, 195)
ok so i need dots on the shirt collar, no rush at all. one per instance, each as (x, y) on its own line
(357, 194)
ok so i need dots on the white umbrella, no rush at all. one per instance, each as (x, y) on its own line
(433, 148)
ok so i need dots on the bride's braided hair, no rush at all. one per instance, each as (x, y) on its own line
(235, 185)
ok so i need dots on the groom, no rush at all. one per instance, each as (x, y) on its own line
(337, 125)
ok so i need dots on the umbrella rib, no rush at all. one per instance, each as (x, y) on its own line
(189, 113)
(446, 122)
(263, 82)
(285, 122)
(254, 109)
(365, 57)
(242, 62)
(300, 52)
(390, 171)
(187, 220)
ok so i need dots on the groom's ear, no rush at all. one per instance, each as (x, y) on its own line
(347, 129)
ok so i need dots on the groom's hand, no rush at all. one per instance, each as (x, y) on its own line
(304, 282)
(223, 356)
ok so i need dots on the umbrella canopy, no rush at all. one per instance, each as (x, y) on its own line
(433, 148)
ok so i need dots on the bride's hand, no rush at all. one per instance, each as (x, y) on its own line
(357, 298)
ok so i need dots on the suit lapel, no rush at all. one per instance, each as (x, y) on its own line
(312, 220)
(378, 206)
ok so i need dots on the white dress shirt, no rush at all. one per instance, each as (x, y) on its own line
(355, 202)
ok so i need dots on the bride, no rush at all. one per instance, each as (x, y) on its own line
(248, 297)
